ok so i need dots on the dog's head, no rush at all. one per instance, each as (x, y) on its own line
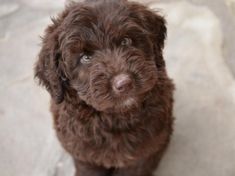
(107, 51)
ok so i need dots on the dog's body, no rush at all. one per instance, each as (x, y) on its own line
(112, 101)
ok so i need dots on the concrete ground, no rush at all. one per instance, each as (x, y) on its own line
(200, 58)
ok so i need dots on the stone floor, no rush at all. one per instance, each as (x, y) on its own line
(200, 58)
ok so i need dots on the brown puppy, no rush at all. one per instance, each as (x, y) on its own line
(102, 63)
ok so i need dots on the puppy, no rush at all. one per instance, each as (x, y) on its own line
(101, 61)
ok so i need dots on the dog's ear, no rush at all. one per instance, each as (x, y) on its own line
(156, 26)
(48, 67)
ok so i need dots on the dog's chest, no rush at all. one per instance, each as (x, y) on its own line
(110, 142)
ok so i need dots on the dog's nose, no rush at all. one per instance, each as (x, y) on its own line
(122, 83)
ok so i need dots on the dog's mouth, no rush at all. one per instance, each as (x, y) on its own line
(121, 94)
(130, 103)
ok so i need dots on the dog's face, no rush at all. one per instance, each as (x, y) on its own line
(108, 52)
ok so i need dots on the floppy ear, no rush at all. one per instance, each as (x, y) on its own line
(156, 26)
(47, 68)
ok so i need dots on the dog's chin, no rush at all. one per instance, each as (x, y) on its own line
(127, 104)
(119, 106)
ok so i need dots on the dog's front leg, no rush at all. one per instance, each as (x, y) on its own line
(144, 167)
(132, 171)
(85, 169)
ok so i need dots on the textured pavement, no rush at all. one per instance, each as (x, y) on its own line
(200, 58)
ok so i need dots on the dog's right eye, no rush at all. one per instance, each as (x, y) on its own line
(85, 58)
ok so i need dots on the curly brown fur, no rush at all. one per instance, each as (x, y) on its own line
(102, 63)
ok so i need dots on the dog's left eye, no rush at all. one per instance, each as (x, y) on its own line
(126, 41)
(85, 58)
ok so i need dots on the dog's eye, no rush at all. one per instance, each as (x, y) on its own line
(85, 58)
(126, 42)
